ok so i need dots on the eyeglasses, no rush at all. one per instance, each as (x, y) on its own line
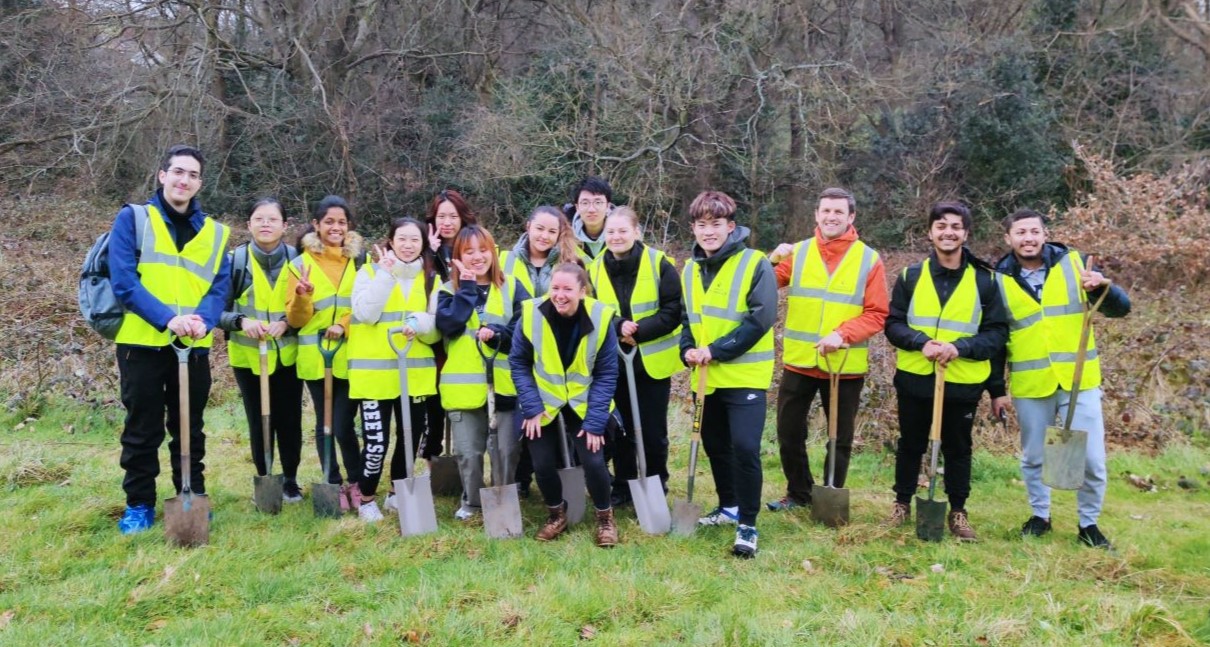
(177, 171)
(592, 203)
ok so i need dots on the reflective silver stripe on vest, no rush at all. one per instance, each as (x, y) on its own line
(202, 272)
(669, 341)
(814, 337)
(970, 328)
(390, 364)
(1030, 365)
(1019, 324)
(1069, 358)
(386, 317)
(752, 358)
(642, 306)
(463, 378)
(857, 297)
(535, 334)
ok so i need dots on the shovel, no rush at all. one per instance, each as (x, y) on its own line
(1066, 450)
(444, 469)
(413, 494)
(267, 489)
(573, 480)
(501, 504)
(685, 512)
(930, 513)
(647, 492)
(830, 504)
(325, 497)
(186, 515)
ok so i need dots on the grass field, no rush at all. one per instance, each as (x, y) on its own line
(68, 577)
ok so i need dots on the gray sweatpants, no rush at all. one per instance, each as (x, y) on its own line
(470, 437)
(1034, 415)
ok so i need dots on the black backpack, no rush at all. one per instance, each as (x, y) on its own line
(98, 304)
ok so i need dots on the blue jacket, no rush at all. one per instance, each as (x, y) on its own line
(124, 277)
(604, 374)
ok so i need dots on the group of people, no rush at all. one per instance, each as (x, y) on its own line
(539, 328)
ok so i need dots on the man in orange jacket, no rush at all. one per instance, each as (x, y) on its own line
(837, 299)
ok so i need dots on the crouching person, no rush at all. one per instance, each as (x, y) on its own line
(564, 362)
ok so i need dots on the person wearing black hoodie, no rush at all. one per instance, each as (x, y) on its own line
(944, 310)
(642, 286)
(730, 298)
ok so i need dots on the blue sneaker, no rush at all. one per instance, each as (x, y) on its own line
(137, 518)
(745, 541)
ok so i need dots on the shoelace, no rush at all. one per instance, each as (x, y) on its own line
(960, 521)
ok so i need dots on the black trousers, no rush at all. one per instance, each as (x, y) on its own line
(376, 436)
(150, 391)
(915, 418)
(653, 397)
(285, 417)
(794, 399)
(732, 423)
(547, 455)
(343, 432)
(433, 438)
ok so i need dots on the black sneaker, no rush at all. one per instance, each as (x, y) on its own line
(1035, 527)
(620, 498)
(1091, 536)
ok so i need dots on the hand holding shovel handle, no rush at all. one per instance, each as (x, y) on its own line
(1077, 375)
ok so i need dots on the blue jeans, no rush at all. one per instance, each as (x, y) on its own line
(1034, 415)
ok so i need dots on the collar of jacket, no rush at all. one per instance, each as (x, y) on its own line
(350, 248)
(1052, 253)
(194, 210)
(548, 310)
(628, 264)
(734, 245)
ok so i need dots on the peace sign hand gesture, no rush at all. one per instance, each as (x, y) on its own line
(304, 286)
(434, 238)
(386, 259)
(463, 273)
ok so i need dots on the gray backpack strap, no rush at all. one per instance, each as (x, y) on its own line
(141, 219)
(239, 270)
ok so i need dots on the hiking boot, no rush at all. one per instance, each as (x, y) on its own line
(465, 513)
(290, 492)
(960, 526)
(369, 512)
(901, 514)
(1035, 527)
(556, 523)
(607, 530)
(137, 518)
(745, 541)
(785, 504)
(1091, 536)
(720, 517)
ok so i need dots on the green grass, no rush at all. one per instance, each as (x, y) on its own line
(68, 577)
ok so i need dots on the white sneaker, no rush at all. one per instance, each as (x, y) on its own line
(390, 505)
(463, 513)
(745, 541)
(369, 512)
(720, 517)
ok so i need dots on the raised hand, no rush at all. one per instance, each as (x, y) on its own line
(780, 254)
(434, 239)
(463, 273)
(304, 286)
(386, 259)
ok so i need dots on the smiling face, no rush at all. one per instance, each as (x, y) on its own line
(181, 181)
(543, 230)
(407, 243)
(477, 257)
(1026, 237)
(447, 221)
(592, 208)
(833, 217)
(620, 233)
(948, 234)
(711, 233)
(267, 226)
(566, 293)
(332, 227)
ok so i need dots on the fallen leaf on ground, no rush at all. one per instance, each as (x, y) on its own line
(588, 632)
(6, 618)
(808, 566)
(938, 568)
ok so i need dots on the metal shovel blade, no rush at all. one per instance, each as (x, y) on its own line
(187, 525)
(267, 492)
(325, 498)
(930, 519)
(501, 511)
(574, 490)
(414, 500)
(650, 505)
(684, 517)
(1064, 457)
(444, 475)
(830, 505)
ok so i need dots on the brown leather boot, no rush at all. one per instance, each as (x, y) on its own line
(960, 526)
(555, 524)
(901, 514)
(607, 530)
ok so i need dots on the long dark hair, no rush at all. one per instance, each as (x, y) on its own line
(426, 253)
(465, 215)
(321, 209)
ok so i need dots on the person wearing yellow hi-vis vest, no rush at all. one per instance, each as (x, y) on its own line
(642, 286)
(319, 305)
(256, 310)
(1047, 287)
(476, 317)
(730, 294)
(944, 310)
(392, 294)
(837, 298)
(173, 284)
(565, 363)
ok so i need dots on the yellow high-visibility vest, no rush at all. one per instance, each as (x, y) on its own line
(180, 280)
(661, 357)
(373, 365)
(463, 382)
(960, 318)
(516, 269)
(1044, 337)
(266, 303)
(818, 302)
(715, 313)
(329, 303)
(561, 387)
